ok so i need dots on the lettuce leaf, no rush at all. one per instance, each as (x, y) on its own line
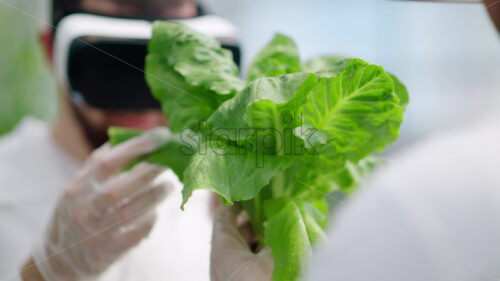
(234, 175)
(291, 230)
(327, 66)
(278, 57)
(401, 91)
(331, 66)
(264, 104)
(357, 110)
(189, 73)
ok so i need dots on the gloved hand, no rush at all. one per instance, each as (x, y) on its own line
(231, 257)
(103, 213)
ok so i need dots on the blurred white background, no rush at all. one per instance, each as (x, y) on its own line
(447, 54)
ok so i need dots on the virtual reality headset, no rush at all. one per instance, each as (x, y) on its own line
(101, 59)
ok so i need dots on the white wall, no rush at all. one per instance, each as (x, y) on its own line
(26, 83)
(35, 12)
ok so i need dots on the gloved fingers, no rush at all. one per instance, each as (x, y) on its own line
(114, 160)
(108, 246)
(114, 235)
(226, 235)
(231, 257)
(131, 233)
(246, 232)
(140, 204)
(98, 153)
(121, 188)
(79, 186)
(107, 210)
(80, 235)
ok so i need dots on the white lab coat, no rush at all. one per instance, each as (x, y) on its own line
(34, 171)
(433, 214)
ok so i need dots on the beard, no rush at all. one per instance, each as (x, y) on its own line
(96, 137)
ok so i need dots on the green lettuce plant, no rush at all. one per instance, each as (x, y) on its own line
(276, 144)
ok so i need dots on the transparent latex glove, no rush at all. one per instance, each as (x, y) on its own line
(103, 212)
(231, 258)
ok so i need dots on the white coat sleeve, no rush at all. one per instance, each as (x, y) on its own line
(432, 214)
(374, 239)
